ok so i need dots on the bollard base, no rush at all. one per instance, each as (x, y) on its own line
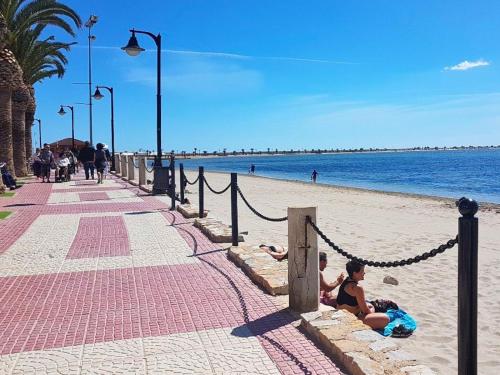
(160, 184)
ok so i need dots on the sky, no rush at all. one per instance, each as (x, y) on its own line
(284, 74)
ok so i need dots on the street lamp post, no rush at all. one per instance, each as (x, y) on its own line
(62, 112)
(133, 49)
(98, 96)
(91, 22)
(39, 131)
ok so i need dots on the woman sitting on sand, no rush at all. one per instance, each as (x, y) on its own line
(351, 297)
(277, 252)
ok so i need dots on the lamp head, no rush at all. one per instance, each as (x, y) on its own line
(97, 94)
(62, 112)
(132, 48)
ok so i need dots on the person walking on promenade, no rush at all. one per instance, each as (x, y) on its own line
(37, 164)
(87, 158)
(47, 161)
(100, 161)
(314, 176)
(108, 160)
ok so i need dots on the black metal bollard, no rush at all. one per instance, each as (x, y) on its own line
(201, 196)
(234, 208)
(182, 180)
(172, 183)
(467, 286)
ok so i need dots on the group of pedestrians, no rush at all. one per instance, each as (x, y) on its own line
(67, 162)
(63, 163)
(95, 160)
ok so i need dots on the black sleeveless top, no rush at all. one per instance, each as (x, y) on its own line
(343, 298)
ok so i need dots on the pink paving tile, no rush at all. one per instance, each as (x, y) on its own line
(100, 237)
(79, 189)
(14, 226)
(93, 196)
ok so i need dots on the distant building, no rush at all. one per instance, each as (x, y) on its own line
(66, 142)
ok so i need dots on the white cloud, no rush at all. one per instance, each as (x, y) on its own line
(466, 65)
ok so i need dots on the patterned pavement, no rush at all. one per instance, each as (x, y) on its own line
(105, 279)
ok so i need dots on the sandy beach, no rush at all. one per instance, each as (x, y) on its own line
(386, 227)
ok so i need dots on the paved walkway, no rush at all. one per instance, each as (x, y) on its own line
(105, 279)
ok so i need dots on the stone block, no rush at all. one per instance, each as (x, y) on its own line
(215, 230)
(400, 355)
(367, 335)
(417, 370)
(383, 345)
(311, 316)
(324, 323)
(358, 363)
(347, 346)
(262, 269)
(190, 211)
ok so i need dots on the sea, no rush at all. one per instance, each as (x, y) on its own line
(473, 173)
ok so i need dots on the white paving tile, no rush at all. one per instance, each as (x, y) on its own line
(205, 352)
(45, 244)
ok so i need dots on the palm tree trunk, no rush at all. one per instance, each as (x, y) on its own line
(20, 98)
(6, 153)
(29, 119)
(10, 78)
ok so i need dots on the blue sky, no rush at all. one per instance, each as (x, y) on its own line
(287, 74)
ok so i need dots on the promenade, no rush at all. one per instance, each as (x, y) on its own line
(105, 279)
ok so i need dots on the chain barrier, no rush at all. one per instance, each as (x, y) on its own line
(146, 166)
(135, 165)
(258, 213)
(398, 263)
(189, 182)
(215, 191)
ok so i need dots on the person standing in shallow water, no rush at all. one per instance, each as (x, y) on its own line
(252, 169)
(314, 176)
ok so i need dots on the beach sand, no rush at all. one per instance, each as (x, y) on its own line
(384, 226)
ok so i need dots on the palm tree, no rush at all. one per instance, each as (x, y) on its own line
(10, 78)
(3, 32)
(25, 22)
(39, 60)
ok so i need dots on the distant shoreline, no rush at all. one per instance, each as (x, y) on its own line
(216, 154)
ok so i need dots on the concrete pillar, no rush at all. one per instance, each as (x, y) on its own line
(303, 261)
(131, 169)
(142, 170)
(123, 165)
(117, 164)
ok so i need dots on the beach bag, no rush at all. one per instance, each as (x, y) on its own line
(382, 305)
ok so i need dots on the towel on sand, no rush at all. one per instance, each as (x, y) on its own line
(398, 318)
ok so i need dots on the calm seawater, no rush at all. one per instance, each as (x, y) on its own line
(471, 173)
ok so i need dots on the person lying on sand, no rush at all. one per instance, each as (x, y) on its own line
(351, 297)
(277, 252)
(325, 288)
